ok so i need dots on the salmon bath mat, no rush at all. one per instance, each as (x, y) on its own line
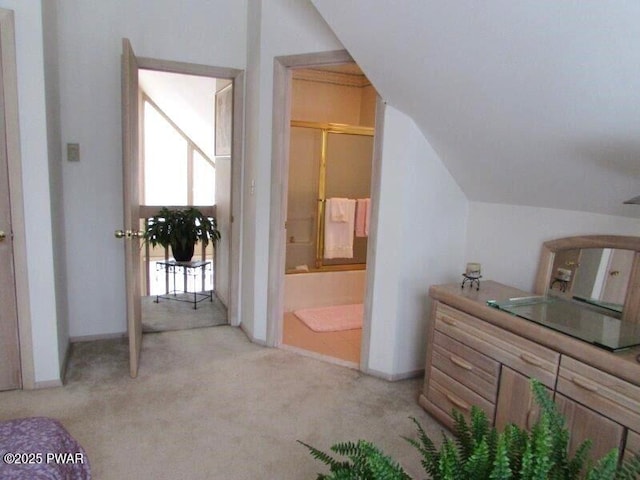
(332, 319)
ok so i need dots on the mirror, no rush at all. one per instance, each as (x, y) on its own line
(597, 276)
(600, 271)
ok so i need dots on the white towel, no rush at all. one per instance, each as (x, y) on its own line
(337, 208)
(363, 211)
(338, 235)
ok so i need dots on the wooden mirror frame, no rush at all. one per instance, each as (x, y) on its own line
(631, 308)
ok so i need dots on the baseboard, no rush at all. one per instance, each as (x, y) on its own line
(65, 363)
(48, 384)
(251, 338)
(91, 338)
(395, 377)
(319, 356)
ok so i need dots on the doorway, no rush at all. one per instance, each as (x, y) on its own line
(131, 105)
(184, 164)
(327, 118)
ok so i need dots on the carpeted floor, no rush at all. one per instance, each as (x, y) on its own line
(180, 315)
(208, 404)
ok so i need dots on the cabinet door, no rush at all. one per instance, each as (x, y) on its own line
(632, 446)
(584, 423)
(516, 403)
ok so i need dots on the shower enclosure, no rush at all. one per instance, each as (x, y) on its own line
(325, 161)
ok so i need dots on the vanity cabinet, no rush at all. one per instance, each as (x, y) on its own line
(601, 406)
(466, 358)
(478, 355)
(516, 403)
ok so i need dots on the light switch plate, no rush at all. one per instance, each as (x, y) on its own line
(73, 152)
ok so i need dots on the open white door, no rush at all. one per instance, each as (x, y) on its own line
(10, 376)
(130, 165)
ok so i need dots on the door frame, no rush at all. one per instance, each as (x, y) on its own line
(283, 67)
(237, 160)
(14, 165)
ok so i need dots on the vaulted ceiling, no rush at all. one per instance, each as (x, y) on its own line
(535, 102)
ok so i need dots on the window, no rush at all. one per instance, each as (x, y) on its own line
(176, 171)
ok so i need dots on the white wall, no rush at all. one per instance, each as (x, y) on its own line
(90, 33)
(420, 231)
(276, 27)
(507, 239)
(34, 146)
(52, 80)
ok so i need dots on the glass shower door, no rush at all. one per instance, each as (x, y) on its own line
(348, 175)
(305, 151)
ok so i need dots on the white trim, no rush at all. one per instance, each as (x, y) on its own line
(319, 356)
(48, 384)
(237, 164)
(92, 338)
(396, 377)
(65, 362)
(14, 161)
(251, 338)
(376, 168)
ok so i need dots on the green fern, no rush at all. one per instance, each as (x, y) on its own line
(516, 443)
(428, 451)
(605, 468)
(575, 465)
(478, 464)
(629, 470)
(479, 452)
(465, 439)
(501, 469)
(365, 461)
(450, 467)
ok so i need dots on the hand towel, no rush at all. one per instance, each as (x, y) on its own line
(337, 208)
(363, 209)
(338, 235)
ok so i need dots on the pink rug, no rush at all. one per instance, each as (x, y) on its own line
(332, 319)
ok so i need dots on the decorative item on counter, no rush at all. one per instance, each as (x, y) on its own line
(563, 274)
(473, 269)
(562, 278)
(472, 275)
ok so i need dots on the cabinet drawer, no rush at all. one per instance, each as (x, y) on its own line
(448, 394)
(464, 364)
(604, 393)
(516, 352)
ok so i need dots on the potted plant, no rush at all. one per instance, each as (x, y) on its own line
(181, 229)
(480, 452)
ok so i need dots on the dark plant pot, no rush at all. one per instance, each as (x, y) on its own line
(182, 254)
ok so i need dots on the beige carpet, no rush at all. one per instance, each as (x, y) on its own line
(208, 404)
(180, 315)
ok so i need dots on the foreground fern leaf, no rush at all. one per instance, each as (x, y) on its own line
(479, 452)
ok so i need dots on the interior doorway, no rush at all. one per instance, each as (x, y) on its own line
(183, 163)
(133, 218)
(329, 126)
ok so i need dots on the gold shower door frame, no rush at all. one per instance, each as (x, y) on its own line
(326, 129)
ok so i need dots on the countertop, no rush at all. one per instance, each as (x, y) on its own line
(474, 302)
